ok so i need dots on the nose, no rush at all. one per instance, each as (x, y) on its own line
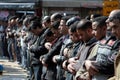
(113, 31)
(107, 21)
(93, 31)
(80, 37)
(60, 27)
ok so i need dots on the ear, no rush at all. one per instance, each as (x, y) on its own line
(89, 31)
(117, 21)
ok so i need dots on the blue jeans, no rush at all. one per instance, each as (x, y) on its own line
(10, 42)
(37, 70)
(24, 56)
(2, 46)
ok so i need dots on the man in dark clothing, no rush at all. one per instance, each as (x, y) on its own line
(10, 32)
(58, 59)
(37, 49)
(54, 49)
(46, 23)
(72, 48)
(55, 17)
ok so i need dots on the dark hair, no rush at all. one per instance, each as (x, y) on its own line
(96, 15)
(101, 21)
(56, 16)
(12, 17)
(84, 24)
(116, 15)
(65, 18)
(35, 18)
(73, 27)
(72, 20)
(87, 17)
(35, 25)
(46, 19)
(56, 24)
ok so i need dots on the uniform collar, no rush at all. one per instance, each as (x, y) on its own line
(92, 40)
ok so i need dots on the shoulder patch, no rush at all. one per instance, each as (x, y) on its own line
(111, 42)
(103, 41)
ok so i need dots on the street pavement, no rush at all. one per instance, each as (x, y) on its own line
(12, 71)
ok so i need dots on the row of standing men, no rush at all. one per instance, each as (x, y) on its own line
(62, 48)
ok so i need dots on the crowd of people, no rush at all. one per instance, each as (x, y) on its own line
(59, 47)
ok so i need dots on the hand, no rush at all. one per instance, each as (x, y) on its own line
(41, 58)
(54, 58)
(64, 65)
(90, 68)
(71, 68)
(48, 45)
(79, 78)
(32, 48)
(73, 60)
(43, 62)
(65, 52)
(84, 76)
(28, 46)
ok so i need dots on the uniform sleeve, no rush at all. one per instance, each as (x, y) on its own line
(39, 49)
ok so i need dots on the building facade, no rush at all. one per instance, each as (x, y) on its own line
(72, 7)
(47, 7)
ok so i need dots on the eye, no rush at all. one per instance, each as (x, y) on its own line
(110, 19)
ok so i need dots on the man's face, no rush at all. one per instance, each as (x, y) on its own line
(50, 38)
(56, 32)
(74, 36)
(36, 31)
(111, 20)
(114, 23)
(46, 24)
(98, 31)
(62, 26)
(82, 35)
(116, 31)
(12, 22)
(52, 21)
